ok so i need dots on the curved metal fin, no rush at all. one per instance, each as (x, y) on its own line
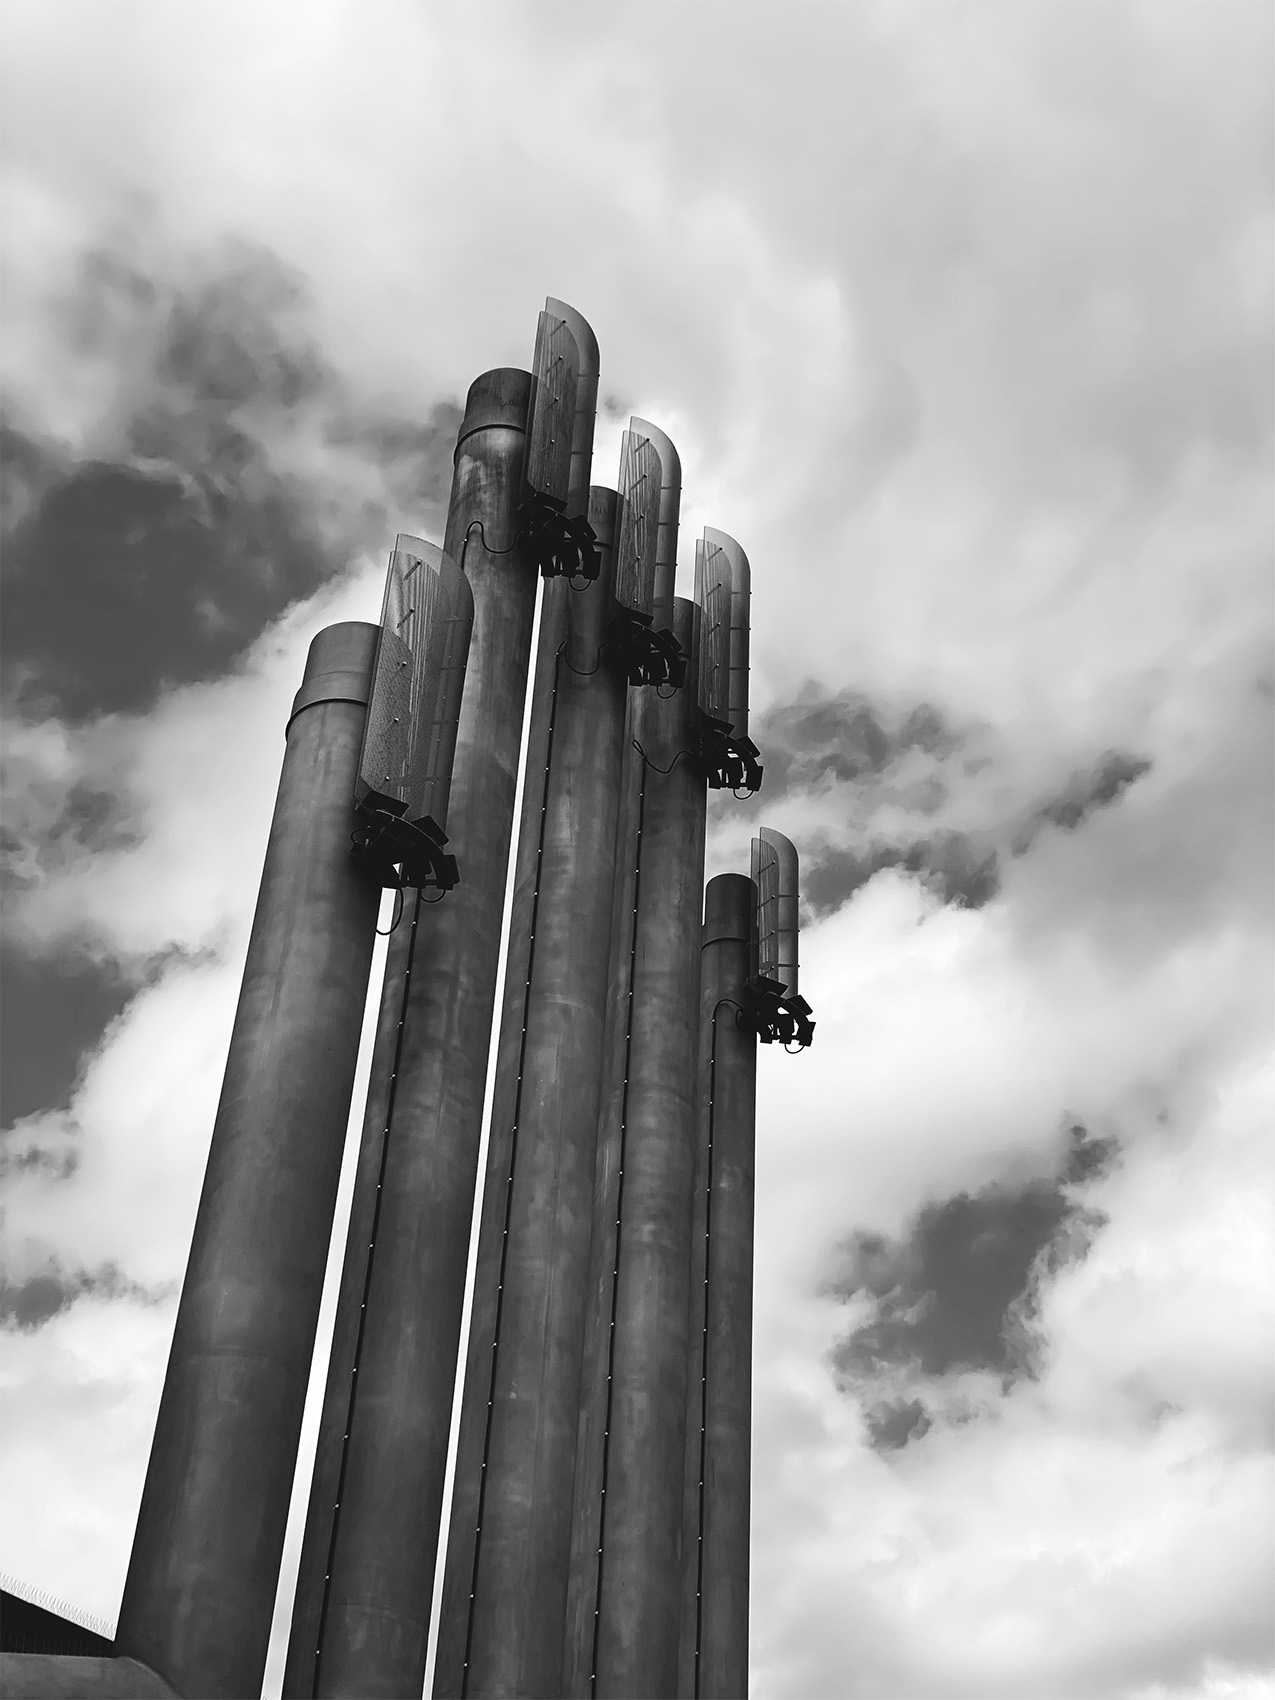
(552, 420)
(639, 486)
(650, 490)
(722, 590)
(667, 521)
(586, 405)
(446, 657)
(775, 874)
(409, 739)
(727, 755)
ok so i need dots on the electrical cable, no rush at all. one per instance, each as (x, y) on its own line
(654, 767)
(477, 525)
(584, 672)
(398, 914)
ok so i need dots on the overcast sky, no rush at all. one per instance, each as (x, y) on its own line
(960, 317)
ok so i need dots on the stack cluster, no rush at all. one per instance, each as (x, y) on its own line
(597, 1542)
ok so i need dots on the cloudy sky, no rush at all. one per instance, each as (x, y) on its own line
(961, 318)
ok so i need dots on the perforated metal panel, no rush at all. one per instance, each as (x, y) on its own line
(641, 476)
(410, 736)
(722, 591)
(556, 379)
(775, 873)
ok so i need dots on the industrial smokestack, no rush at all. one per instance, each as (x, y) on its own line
(625, 1595)
(505, 1594)
(714, 1658)
(200, 1590)
(361, 1619)
(544, 1106)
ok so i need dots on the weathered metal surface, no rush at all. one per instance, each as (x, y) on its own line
(199, 1594)
(506, 1585)
(714, 1644)
(360, 1625)
(774, 871)
(410, 737)
(68, 1676)
(624, 1605)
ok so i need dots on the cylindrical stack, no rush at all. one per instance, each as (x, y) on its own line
(201, 1582)
(625, 1597)
(360, 1626)
(714, 1660)
(505, 1594)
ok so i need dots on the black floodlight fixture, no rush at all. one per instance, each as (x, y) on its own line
(778, 1008)
(727, 754)
(564, 392)
(409, 740)
(650, 492)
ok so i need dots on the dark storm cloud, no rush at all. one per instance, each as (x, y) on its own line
(955, 866)
(27, 469)
(29, 1304)
(159, 561)
(906, 761)
(956, 1295)
(911, 791)
(55, 1010)
(1110, 777)
(895, 1422)
(54, 1015)
(818, 738)
(233, 472)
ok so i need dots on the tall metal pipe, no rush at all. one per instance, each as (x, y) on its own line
(506, 1588)
(360, 1625)
(626, 1583)
(556, 599)
(714, 1657)
(199, 1594)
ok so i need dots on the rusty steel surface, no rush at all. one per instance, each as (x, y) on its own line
(624, 1600)
(506, 1581)
(410, 736)
(199, 1594)
(376, 1496)
(713, 1664)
